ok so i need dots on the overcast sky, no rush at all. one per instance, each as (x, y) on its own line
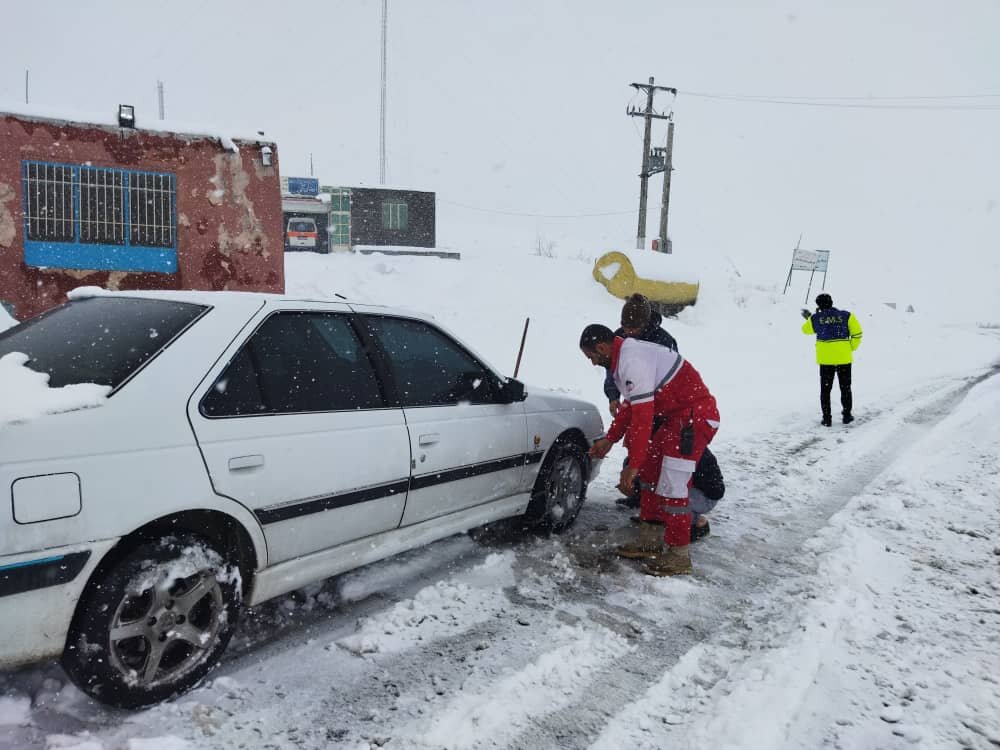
(519, 107)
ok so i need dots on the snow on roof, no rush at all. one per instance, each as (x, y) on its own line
(225, 137)
(392, 188)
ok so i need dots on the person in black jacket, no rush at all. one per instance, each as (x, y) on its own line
(639, 320)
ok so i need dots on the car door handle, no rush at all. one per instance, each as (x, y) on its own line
(429, 439)
(245, 462)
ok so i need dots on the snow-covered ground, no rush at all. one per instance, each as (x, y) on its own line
(848, 596)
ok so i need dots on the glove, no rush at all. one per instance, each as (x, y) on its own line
(806, 314)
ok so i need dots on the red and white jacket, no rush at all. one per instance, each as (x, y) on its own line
(654, 382)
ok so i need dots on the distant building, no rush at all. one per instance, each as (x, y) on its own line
(363, 219)
(106, 204)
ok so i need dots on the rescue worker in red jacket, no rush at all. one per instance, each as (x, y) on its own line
(656, 384)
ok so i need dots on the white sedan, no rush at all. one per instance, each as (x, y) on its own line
(250, 444)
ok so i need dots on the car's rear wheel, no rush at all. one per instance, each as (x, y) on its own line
(154, 623)
(560, 489)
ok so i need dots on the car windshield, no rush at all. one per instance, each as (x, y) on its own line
(101, 340)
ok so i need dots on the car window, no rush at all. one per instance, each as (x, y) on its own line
(297, 362)
(301, 226)
(430, 368)
(101, 340)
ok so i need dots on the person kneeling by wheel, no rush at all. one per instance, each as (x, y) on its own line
(656, 384)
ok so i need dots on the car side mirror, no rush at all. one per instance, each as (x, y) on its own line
(513, 391)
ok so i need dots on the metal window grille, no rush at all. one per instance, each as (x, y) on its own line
(102, 206)
(48, 198)
(152, 199)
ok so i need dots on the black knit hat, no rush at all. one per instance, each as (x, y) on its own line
(824, 301)
(636, 312)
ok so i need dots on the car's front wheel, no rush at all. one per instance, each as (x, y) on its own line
(560, 489)
(154, 623)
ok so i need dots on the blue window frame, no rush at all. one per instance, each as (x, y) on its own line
(99, 218)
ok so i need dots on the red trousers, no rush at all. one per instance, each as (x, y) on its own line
(666, 474)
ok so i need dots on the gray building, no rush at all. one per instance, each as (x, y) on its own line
(399, 218)
(366, 219)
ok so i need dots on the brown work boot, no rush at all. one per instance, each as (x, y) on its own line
(672, 561)
(647, 543)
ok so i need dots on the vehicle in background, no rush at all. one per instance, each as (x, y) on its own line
(302, 233)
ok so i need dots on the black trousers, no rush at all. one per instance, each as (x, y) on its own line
(843, 373)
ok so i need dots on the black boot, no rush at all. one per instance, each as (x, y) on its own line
(827, 420)
(848, 418)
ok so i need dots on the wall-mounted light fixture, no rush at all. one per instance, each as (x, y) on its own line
(126, 116)
(266, 155)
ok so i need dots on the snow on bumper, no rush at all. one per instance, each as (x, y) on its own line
(38, 595)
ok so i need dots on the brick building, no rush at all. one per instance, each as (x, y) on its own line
(107, 204)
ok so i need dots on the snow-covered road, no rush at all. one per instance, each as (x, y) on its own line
(848, 597)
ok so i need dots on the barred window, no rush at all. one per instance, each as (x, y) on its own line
(48, 191)
(394, 216)
(151, 197)
(102, 206)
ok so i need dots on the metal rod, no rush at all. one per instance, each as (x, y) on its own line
(385, 63)
(809, 289)
(520, 351)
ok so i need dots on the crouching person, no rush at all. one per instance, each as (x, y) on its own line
(656, 384)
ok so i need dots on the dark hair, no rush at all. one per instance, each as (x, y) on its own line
(824, 301)
(636, 312)
(595, 334)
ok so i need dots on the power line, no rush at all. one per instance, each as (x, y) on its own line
(866, 98)
(534, 215)
(847, 104)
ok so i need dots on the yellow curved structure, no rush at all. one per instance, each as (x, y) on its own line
(669, 296)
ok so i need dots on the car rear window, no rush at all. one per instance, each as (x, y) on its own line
(301, 226)
(102, 340)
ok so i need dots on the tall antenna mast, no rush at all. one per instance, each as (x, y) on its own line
(385, 26)
(25, 85)
(159, 96)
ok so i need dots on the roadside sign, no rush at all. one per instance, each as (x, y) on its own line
(308, 186)
(808, 260)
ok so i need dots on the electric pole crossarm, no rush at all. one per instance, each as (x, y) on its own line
(646, 87)
(640, 113)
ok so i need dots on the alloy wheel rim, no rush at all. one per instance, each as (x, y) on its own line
(565, 488)
(164, 629)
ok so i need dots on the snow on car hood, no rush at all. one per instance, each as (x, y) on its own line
(547, 399)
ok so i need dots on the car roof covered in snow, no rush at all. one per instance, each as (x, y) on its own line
(237, 299)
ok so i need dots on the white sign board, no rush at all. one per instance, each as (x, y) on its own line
(810, 260)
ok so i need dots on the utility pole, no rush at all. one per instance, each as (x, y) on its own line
(385, 65)
(668, 161)
(25, 85)
(159, 97)
(649, 114)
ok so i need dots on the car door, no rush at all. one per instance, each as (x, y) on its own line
(468, 447)
(296, 425)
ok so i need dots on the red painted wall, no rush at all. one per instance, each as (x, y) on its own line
(229, 225)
